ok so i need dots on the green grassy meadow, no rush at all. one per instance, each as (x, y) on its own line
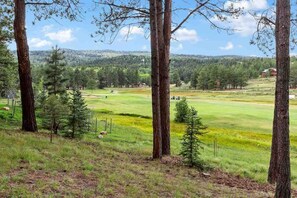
(118, 164)
(240, 121)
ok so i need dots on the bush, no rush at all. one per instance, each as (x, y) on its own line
(191, 144)
(182, 110)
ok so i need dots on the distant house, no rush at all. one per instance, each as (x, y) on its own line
(269, 72)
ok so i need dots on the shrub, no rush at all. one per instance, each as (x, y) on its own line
(182, 110)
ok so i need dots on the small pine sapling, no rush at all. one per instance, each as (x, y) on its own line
(191, 143)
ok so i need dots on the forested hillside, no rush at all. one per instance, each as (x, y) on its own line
(132, 69)
(107, 57)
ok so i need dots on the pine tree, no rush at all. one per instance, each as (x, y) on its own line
(78, 118)
(54, 73)
(191, 144)
(55, 113)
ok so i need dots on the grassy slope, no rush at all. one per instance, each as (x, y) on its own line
(110, 167)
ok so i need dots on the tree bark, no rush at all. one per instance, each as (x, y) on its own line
(157, 136)
(27, 96)
(283, 181)
(164, 27)
(272, 172)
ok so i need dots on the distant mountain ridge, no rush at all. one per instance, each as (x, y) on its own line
(96, 57)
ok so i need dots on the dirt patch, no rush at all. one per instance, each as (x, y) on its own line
(218, 177)
(226, 179)
(172, 160)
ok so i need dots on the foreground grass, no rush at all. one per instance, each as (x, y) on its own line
(110, 167)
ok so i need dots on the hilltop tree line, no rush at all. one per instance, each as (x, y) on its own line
(210, 74)
(95, 78)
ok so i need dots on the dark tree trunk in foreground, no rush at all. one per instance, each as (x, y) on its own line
(283, 181)
(27, 97)
(157, 138)
(164, 77)
(273, 166)
(272, 172)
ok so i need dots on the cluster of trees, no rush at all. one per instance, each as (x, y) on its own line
(252, 66)
(66, 114)
(94, 78)
(220, 77)
(58, 110)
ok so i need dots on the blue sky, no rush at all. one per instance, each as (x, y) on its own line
(195, 37)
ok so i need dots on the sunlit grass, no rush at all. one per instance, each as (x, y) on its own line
(240, 121)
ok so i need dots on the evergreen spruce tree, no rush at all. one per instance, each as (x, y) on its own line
(78, 117)
(191, 143)
(55, 113)
(54, 73)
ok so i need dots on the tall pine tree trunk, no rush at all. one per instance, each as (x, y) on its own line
(27, 96)
(164, 77)
(157, 137)
(272, 172)
(283, 181)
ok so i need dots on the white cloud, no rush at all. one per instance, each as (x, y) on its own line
(62, 36)
(47, 28)
(132, 30)
(245, 24)
(229, 46)
(248, 5)
(184, 34)
(38, 43)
